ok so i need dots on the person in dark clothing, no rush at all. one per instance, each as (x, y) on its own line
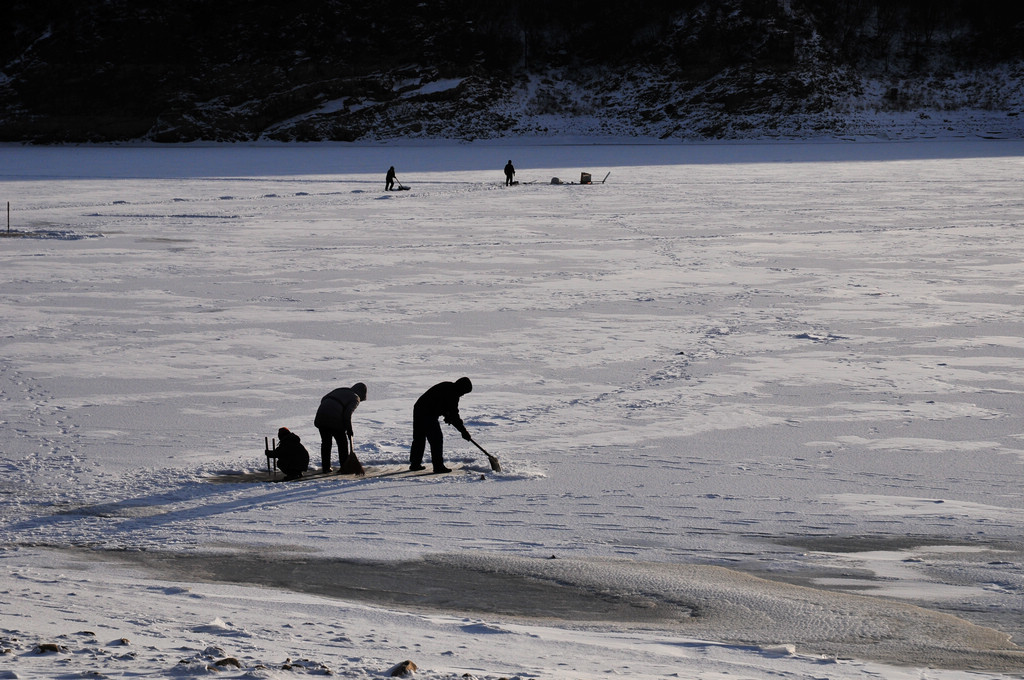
(440, 401)
(334, 420)
(510, 172)
(292, 456)
(389, 180)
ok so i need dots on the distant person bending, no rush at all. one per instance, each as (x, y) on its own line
(440, 401)
(334, 420)
(389, 179)
(510, 172)
(292, 456)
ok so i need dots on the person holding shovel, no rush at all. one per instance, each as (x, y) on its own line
(389, 179)
(440, 401)
(334, 420)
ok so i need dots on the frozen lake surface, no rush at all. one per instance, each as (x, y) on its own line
(757, 407)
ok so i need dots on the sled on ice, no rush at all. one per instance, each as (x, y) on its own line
(585, 178)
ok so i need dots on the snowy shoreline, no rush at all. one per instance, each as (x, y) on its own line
(751, 615)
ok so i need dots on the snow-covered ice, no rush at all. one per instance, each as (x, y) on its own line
(758, 409)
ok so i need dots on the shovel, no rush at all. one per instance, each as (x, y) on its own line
(495, 465)
(352, 464)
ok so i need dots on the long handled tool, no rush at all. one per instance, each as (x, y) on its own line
(495, 465)
(270, 448)
(352, 464)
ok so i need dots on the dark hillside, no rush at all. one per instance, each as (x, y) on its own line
(110, 70)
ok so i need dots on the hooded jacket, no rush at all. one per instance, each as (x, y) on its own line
(292, 457)
(335, 411)
(442, 400)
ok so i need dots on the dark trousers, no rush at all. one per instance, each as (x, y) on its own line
(292, 466)
(325, 447)
(426, 430)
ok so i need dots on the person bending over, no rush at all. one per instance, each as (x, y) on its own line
(440, 401)
(334, 420)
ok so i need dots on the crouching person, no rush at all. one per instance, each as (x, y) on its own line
(292, 456)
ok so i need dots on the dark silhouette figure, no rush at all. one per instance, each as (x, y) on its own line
(510, 173)
(440, 401)
(334, 420)
(292, 456)
(389, 180)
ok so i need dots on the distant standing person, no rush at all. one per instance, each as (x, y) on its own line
(334, 420)
(389, 179)
(440, 401)
(292, 456)
(510, 172)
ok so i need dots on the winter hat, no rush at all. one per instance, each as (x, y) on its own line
(360, 390)
(283, 432)
(464, 385)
